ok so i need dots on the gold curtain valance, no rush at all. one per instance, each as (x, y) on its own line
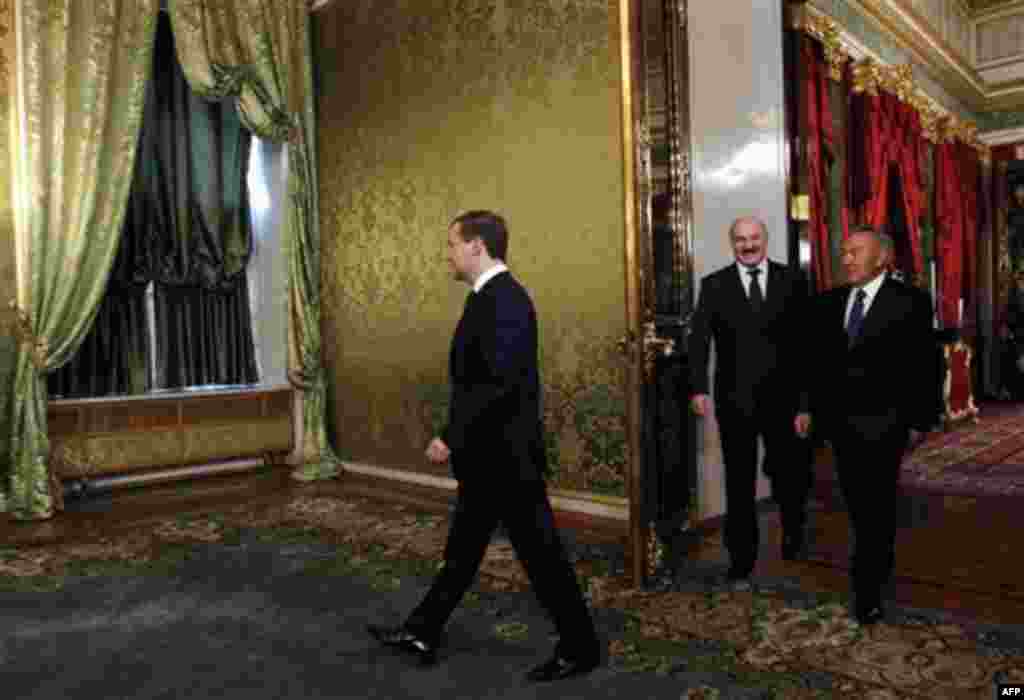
(826, 31)
(870, 76)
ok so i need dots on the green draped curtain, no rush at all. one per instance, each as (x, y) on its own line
(79, 85)
(188, 229)
(259, 53)
(114, 355)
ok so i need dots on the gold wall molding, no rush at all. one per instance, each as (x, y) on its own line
(610, 507)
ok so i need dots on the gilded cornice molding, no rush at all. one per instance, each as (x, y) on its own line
(924, 28)
(907, 29)
(900, 22)
(825, 30)
(937, 124)
(951, 129)
(870, 76)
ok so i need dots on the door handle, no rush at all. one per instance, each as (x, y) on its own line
(625, 343)
(654, 345)
(651, 343)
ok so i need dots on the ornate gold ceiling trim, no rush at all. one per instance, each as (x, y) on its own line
(949, 66)
(870, 76)
(936, 41)
(825, 30)
(937, 124)
(1012, 99)
(898, 20)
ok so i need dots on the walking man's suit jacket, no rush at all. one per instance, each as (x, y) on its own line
(494, 427)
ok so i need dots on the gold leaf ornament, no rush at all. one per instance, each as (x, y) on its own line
(37, 348)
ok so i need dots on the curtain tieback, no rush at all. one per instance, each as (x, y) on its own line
(302, 381)
(37, 348)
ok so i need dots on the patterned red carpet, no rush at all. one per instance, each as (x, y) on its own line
(959, 520)
(983, 458)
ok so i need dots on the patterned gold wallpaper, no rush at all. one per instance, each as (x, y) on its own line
(7, 269)
(429, 108)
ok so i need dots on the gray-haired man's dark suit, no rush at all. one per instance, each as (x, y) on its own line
(866, 395)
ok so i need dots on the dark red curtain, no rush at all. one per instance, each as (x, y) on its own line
(817, 118)
(887, 133)
(957, 171)
(970, 184)
(846, 216)
(949, 232)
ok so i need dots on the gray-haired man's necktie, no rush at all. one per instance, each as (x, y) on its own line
(856, 319)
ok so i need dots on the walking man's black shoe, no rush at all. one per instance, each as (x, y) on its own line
(869, 615)
(738, 578)
(558, 667)
(404, 640)
(793, 548)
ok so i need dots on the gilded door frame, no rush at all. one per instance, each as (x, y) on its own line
(640, 344)
(628, 42)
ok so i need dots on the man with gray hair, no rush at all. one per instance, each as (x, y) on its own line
(873, 398)
(753, 311)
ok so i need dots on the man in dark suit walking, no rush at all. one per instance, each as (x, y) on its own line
(873, 399)
(752, 310)
(495, 445)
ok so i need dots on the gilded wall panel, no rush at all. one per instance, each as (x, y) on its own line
(428, 109)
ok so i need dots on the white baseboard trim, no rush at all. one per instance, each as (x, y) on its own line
(610, 507)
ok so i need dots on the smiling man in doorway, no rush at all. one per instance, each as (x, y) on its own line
(752, 311)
